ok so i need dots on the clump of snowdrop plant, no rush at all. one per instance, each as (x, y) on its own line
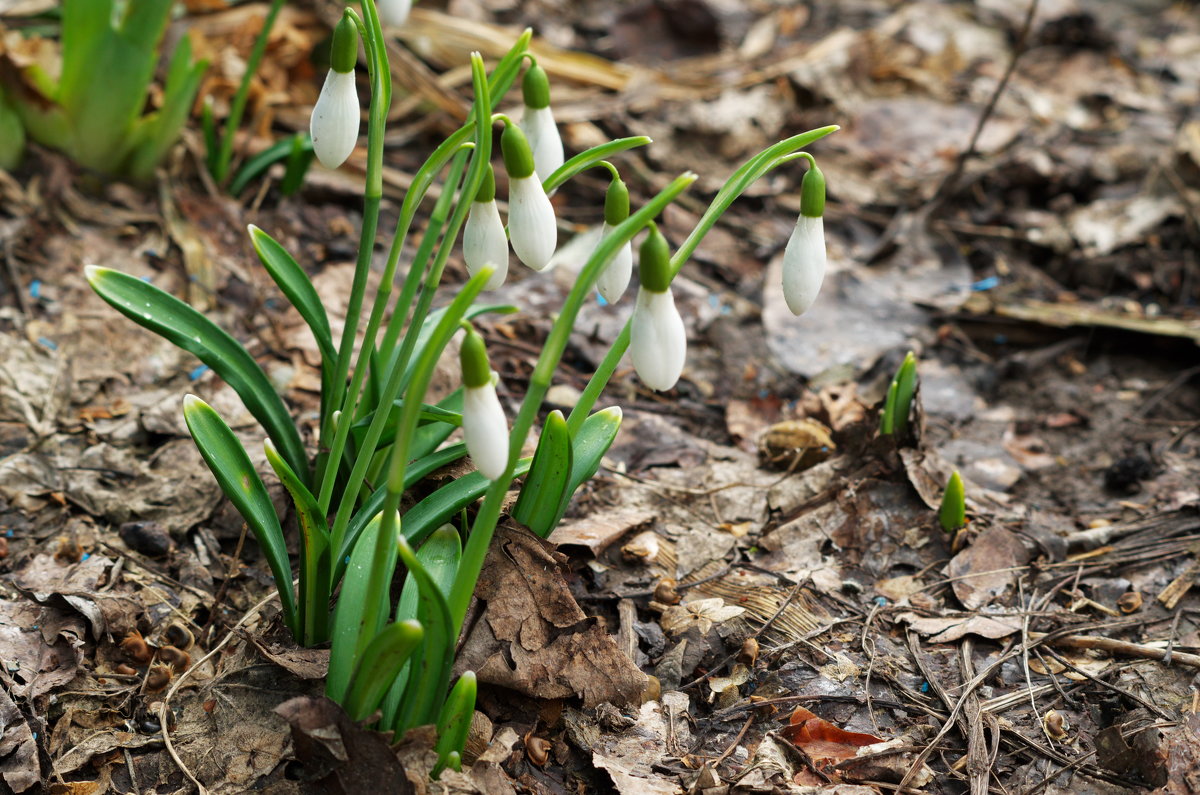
(335, 117)
(379, 433)
(804, 257)
(537, 122)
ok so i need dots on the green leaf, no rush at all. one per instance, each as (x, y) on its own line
(887, 417)
(428, 414)
(546, 483)
(379, 666)
(255, 167)
(154, 134)
(591, 157)
(418, 470)
(906, 387)
(351, 609)
(454, 723)
(439, 507)
(237, 477)
(595, 436)
(182, 325)
(298, 161)
(429, 677)
(314, 552)
(429, 437)
(428, 327)
(294, 283)
(953, 513)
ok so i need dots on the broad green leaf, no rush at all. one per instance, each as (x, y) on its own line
(546, 482)
(380, 664)
(440, 556)
(237, 477)
(314, 552)
(454, 723)
(587, 159)
(182, 325)
(595, 436)
(441, 506)
(154, 134)
(351, 608)
(430, 672)
(418, 470)
(294, 283)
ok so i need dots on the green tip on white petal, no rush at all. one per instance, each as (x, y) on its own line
(535, 87)
(487, 187)
(476, 370)
(518, 156)
(344, 53)
(616, 202)
(654, 262)
(812, 192)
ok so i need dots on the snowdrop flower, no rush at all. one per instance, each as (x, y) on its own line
(531, 224)
(657, 341)
(615, 277)
(484, 240)
(485, 428)
(335, 117)
(394, 12)
(804, 257)
(538, 123)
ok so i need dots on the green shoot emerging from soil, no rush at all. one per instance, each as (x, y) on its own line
(379, 436)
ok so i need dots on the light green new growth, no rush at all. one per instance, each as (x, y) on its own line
(953, 513)
(898, 405)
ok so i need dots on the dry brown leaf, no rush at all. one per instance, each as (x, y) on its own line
(988, 569)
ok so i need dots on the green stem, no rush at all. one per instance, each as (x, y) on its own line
(742, 178)
(539, 383)
(381, 91)
(219, 167)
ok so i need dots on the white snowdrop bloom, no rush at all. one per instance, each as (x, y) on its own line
(657, 339)
(336, 116)
(804, 264)
(485, 430)
(616, 275)
(484, 240)
(394, 12)
(537, 123)
(531, 223)
(544, 139)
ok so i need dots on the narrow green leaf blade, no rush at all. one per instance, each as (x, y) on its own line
(591, 157)
(314, 551)
(429, 676)
(454, 723)
(906, 388)
(439, 507)
(546, 482)
(180, 324)
(237, 477)
(380, 664)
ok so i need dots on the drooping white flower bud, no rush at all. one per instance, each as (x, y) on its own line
(485, 428)
(657, 339)
(537, 123)
(531, 225)
(484, 240)
(615, 277)
(394, 12)
(336, 116)
(804, 258)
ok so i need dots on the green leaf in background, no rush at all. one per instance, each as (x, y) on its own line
(379, 666)
(586, 159)
(237, 477)
(298, 148)
(154, 134)
(546, 482)
(314, 552)
(180, 324)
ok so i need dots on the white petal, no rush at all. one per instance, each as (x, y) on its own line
(542, 134)
(531, 222)
(484, 242)
(485, 430)
(804, 264)
(335, 119)
(657, 341)
(394, 12)
(615, 276)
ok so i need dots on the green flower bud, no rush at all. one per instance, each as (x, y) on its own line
(487, 188)
(812, 192)
(476, 370)
(518, 157)
(654, 263)
(536, 87)
(616, 202)
(345, 46)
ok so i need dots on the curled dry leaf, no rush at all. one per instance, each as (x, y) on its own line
(825, 743)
